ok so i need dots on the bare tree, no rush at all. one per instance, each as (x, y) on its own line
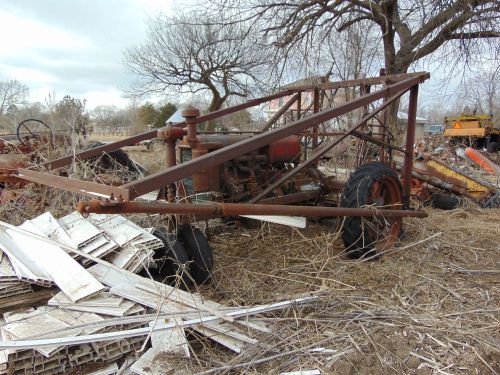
(410, 30)
(182, 55)
(481, 92)
(12, 93)
(352, 54)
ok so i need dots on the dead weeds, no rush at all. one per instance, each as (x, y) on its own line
(428, 306)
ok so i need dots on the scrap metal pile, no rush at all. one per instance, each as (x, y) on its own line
(447, 176)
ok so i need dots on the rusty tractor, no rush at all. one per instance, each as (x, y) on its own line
(272, 171)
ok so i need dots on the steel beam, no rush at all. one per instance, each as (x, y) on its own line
(227, 111)
(91, 189)
(388, 79)
(410, 140)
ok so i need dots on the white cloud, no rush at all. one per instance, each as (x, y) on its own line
(21, 34)
(31, 75)
(73, 47)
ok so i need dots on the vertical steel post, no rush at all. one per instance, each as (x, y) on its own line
(170, 163)
(299, 104)
(190, 114)
(316, 110)
(410, 140)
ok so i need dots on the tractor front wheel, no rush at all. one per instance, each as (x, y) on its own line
(199, 252)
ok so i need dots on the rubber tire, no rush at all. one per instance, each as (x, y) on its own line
(445, 201)
(492, 148)
(122, 158)
(199, 252)
(176, 258)
(355, 194)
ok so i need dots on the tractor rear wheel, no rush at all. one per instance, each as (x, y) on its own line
(373, 184)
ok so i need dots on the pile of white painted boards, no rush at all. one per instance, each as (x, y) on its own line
(101, 312)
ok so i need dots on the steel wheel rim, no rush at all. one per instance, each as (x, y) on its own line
(381, 232)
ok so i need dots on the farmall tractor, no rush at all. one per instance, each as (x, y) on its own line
(275, 171)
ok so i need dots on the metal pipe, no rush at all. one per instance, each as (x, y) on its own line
(410, 139)
(236, 209)
(170, 163)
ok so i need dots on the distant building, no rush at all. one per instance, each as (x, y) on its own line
(175, 118)
(419, 125)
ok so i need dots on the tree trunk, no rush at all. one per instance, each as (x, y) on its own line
(215, 105)
(392, 111)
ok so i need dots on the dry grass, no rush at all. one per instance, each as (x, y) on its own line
(428, 306)
(425, 308)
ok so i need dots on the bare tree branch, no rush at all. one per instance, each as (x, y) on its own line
(183, 54)
(11, 93)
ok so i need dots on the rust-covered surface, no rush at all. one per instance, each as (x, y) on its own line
(248, 167)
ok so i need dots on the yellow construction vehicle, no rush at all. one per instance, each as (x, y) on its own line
(473, 130)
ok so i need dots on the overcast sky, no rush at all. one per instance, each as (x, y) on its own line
(76, 47)
(73, 47)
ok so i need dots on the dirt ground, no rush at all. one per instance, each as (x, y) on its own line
(430, 305)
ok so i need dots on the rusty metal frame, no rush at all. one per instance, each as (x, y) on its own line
(313, 158)
(218, 157)
(393, 87)
(97, 151)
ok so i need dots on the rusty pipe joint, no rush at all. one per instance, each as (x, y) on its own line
(171, 133)
(190, 114)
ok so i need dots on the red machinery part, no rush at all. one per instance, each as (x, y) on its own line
(482, 161)
(284, 150)
(244, 173)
